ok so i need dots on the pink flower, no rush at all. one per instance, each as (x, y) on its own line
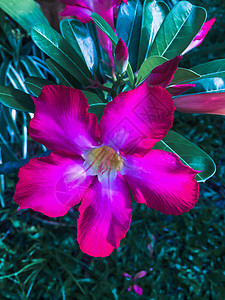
(121, 56)
(101, 163)
(138, 290)
(199, 38)
(82, 10)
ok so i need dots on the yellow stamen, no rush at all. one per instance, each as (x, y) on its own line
(103, 159)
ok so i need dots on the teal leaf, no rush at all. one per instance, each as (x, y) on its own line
(213, 66)
(154, 13)
(17, 99)
(184, 75)
(25, 12)
(128, 28)
(97, 109)
(105, 27)
(190, 154)
(78, 35)
(64, 77)
(55, 46)
(178, 30)
(92, 98)
(35, 84)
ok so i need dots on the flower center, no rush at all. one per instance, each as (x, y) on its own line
(103, 159)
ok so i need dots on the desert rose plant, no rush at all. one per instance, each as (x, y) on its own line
(105, 110)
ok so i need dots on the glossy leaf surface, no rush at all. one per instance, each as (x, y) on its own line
(178, 30)
(128, 27)
(55, 46)
(154, 13)
(78, 35)
(190, 154)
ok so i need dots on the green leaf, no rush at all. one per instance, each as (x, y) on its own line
(128, 28)
(92, 98)
(183, 75)
(35, 84)
(55, 46)
(190, 154)
(178, 30)
(17, 99)
(130, 75)
(64, 77)
(154, 13)
(25, 12)
(105, 27)
(213, 66)
(148, 65)
(78, 35)
(97, 109)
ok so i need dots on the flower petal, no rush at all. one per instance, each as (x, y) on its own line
(203, 103)
(140, 275)
(162, 182)
(81, 13)
(52, 185)
(135, 120)
(105, 216)
(61, 121)
(199, 38)
(127, 275)
(163, 74)
(138, 290)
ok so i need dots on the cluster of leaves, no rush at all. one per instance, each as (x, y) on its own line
(39, 256)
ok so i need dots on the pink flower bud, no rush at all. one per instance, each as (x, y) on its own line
(121, 56)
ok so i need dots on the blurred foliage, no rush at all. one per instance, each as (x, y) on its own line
(183, 255)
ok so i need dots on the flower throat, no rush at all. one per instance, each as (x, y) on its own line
(104, 159)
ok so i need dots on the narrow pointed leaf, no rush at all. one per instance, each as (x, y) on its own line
(105, 27)
(178, 30)
(190, 155)
(55, 46)
(154, 13)
(17, 99)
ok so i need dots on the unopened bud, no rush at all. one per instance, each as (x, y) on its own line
(121, 56)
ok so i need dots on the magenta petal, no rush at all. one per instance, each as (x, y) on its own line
(81, 13)
(163, 74)
(127, 275)
(105, 216)
(140, 275)
(162, 182)
(135, 120)
(138, 290)
(203, 103)
(61, 121)
(200, 36)
(176, 90)
(52, 185)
